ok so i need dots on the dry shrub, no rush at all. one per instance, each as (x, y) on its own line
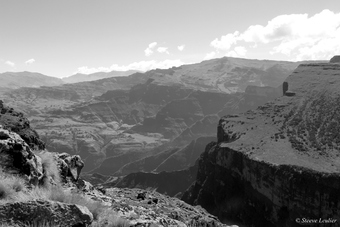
(50, 166)
(109, 218)
(10, 185)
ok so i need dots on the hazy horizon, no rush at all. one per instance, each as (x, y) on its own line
(61, 38)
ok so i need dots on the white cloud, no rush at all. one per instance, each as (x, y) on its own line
(9, 63)
(30, 61)
(297, 35)
(163, 50)
(226, 41)
(87, 70)
(181, 47)
(238, 51)
(210, 55)
(141, 66)
(149, 50)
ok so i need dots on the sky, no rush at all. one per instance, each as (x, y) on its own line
(62, 37)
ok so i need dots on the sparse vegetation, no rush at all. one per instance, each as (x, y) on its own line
(14, 188)
(50, 167)
(10, 185)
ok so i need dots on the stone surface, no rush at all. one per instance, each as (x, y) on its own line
(69, 165)
(17, 157)
(22, 213)
(158, 209)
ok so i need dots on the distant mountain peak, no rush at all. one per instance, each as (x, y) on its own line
(81, 77)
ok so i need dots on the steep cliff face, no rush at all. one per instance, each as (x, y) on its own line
(278, 165)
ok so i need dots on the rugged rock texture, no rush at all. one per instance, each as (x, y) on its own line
(16, 122)
(278, 163)
(69, 165)
(17, 157)
(158, 209)
(28, 213)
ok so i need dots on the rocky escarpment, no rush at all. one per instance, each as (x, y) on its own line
(277, 165)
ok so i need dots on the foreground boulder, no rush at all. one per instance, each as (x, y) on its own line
(39, 211)
(70, 166)
(17, 157)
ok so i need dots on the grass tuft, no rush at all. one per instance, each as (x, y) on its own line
(10, 185)
(50, 167)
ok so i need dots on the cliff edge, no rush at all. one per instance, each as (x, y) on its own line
(278, 165)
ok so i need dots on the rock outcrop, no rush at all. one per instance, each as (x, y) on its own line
(277, 165)
(285, 87)
(69, 165)
(42, 211)
(17, 157)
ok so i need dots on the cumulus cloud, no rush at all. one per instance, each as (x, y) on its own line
(30, 61)
(181, 47)
(149, 50)
(210, 55)
(226, 41)
(141, 66)
(163, 50)
(238, 51)
(9, 63)
(297, 35)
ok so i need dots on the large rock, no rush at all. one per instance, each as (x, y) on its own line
(69, 166)
(17, 157)
(40, 211)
